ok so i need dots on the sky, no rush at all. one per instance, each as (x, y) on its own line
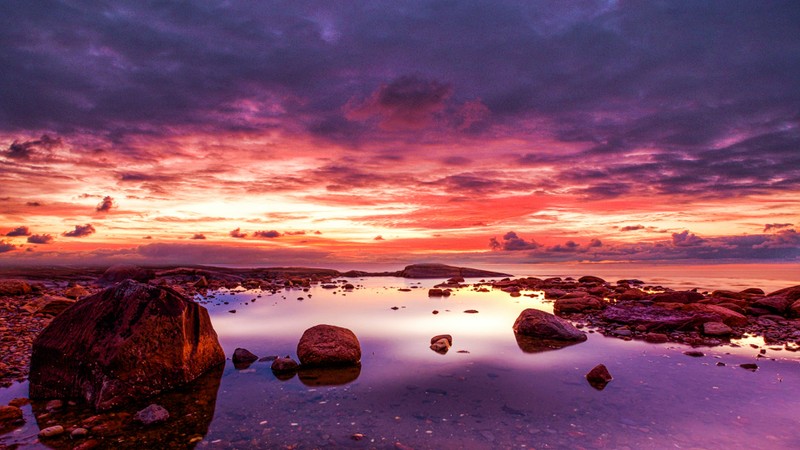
(335, 132)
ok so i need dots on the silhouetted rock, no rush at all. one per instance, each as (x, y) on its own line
(543, 325)
(243, 356)
(115, 274)
(325, 345)
(599, 377)
(125, 343)
(445, 271)
(14, 287)
(591, 279)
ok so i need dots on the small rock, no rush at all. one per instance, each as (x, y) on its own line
(79, 433)
(694, 353)
(599, 377)
(435, 292)
(10, 415)
(749, 366)
(19, 402)
(471, 311)
(53, 431)
(357, 436)
(243, 356)
(656, 338)
(716, 329)
(442, 336)
(152, 414)
(284, 365)
(441, 346)
(54, 405)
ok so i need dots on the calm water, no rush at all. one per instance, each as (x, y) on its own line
(486, 392)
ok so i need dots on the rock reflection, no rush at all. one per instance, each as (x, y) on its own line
(530, 344)
(191, 409)
(329, 376)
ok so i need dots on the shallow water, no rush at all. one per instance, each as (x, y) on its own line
(486, 392)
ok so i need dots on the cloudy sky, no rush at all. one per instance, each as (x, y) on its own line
(333, 132)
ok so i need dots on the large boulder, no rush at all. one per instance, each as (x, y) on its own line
(125, 343)
(432, 270)
(543, 325)
(122, 272)
(328, 345)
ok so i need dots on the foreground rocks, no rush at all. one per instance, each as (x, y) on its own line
(128, 342)
(543, 325)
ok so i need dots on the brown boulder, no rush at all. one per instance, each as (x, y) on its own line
(76, 292)
(777, 303)
(328, 345)
(591, 279)
(727, 316)
(10, 417)
(792, 293)
(543, 325)
(569, 305)
(14, 287)
(677, 297)
(125, 343)
(284, 365)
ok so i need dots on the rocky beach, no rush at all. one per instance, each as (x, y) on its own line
(625, 309)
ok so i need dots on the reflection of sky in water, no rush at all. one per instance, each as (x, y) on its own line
(495, 395)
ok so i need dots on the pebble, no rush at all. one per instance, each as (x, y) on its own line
(53, 431)
(79, 433)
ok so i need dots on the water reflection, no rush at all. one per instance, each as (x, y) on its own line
(328, 376)
(530, 344)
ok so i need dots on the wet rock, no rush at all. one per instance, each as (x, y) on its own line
(152, 414)
(443, 336)
(694, 353)
(10, 416)
(55, 430)
(599, 377)
(677, 297)
(125, 343)
(571, 305)
(539, 324)
(591, 279)
(749, 366)
(471, 311)
(794, 309)
(13, 288)
(435, 292)
(79, 433)
(656, 338)
(243, 356)
(122, 272)
(19, 402)
(778, 304)
(726, 315)
(284, 365)
(324, 345)
(716, 329)
(657, 319)
(441, 346)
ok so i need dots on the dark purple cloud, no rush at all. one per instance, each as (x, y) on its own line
(512, 242)
(106, 204)
(776, 226)
(406, 103)
(24, 150)
(19, 231)
(40, 239)
(6, 246)
(632, 228)
(198, 236)
(80, 231)
(237, 233)
(686, 239)
(271, 234)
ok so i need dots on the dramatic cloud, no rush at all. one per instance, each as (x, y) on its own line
(40, 239)
(198, 236)
(632, 228)
(7, 247)
(512, 242)
(776, 226)
(406, 103)
(237, 233)
(24, 150)
(106, 204)
(595, 243)
(80, 231)
(271, 234)
(19, 231)
(686, 239)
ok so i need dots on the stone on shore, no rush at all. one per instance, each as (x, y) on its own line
(122, 272)
(445, 271)
(717, 329)
(13, 288)
(125, 343)
(328, 345)
(570, 305)
(10, 416)
(591, 279)
(677, 297)
(55, 430)
(543, 325)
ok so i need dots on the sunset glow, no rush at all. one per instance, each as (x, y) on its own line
(322, 133)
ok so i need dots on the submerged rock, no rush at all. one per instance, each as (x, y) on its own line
(125, 343)
(152, 414)
(243, 356)
(325, 345)
(539, 324)
(284, 365)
